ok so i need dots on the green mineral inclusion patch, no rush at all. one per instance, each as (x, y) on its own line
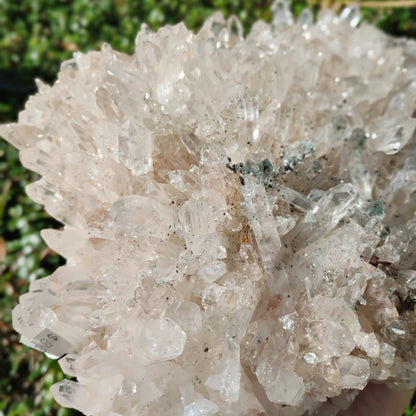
(376, 209)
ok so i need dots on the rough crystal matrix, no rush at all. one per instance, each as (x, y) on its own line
(239, 218)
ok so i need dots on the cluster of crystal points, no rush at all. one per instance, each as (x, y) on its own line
(239, 219)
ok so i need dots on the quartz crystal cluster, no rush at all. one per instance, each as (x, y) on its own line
(239, 218)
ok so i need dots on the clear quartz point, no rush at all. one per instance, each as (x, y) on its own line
(282, 15)
(351, 15)
(305, 18)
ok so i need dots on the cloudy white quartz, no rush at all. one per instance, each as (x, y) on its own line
(239, 218)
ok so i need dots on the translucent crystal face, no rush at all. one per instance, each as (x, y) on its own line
(239, 218)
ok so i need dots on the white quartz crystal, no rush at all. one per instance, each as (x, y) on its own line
(239, 218)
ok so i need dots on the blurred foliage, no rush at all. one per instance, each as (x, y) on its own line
(35, 37)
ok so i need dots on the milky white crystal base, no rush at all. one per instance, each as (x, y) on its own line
(239, 219)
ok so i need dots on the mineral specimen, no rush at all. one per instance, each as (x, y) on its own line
(239, 218)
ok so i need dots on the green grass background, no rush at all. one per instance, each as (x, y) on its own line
(35, 36)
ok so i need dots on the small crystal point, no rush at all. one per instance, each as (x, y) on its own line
(201, 407)
(305, 18)
(282, 15)
(351, 15)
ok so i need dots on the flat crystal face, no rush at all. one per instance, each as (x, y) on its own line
(239, 218)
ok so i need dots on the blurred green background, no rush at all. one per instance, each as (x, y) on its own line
(35, 36)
